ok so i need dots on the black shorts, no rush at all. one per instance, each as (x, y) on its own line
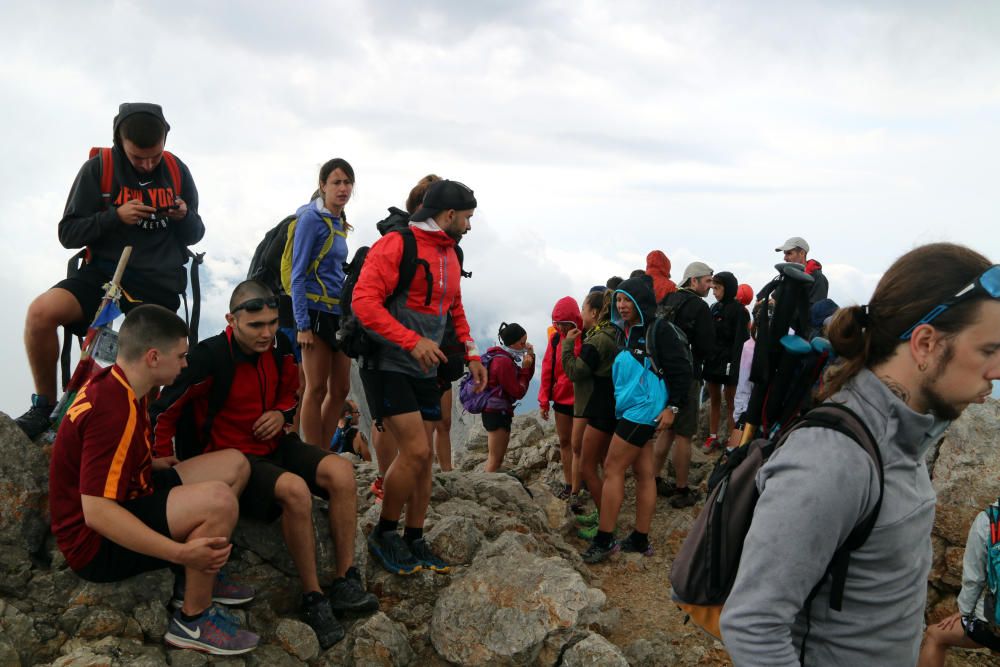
(114, 562)
(562, 409)
(324, 326)
(390, 393)
(686, 421)
(292, 455)
(494, 421)
(87, 287)
(727, 380)
(603, 424)
(979, 632)
(634, 434)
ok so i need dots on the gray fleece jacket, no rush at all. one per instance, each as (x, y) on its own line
(970, 600)
(814, 491)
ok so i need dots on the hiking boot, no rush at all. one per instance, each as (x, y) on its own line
(596, 553)
(224, 591)
(347, 595)
(377, 490)
(684, 498)
(214, 631)
(587, 532)
(392, 553)
(631, 545)
(37, 419)
(427, 558)
(711, 444)
(665, 487)
(317, 614)
(588, 519)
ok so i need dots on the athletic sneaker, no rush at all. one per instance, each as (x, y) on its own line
(587, 532)
(427, 558)
(684, 498)
(588, 519)
(631, 545)
(224, 591)
(377, 490)
(318, 615)
(347, 594)
(215, 631)
(36, 420)
(711, 444)
(596, 553)
(392, 552)
(665, 487)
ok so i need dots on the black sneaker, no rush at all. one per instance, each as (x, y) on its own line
(37, 419)
(665, 487)
(347, 595)
(428, 559)
(392, 553)
(318, 615)
(631, 544)
(684, 498)
(596, 553)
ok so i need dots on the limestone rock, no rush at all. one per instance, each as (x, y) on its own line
(594, 651)
(508, 603)
(297, 639)
(24, 489)
(380, 642)
(455, 539)
(269, 655)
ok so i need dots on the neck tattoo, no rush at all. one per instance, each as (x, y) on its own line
(896, 388)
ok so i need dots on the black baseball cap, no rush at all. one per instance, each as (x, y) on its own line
(444, 195)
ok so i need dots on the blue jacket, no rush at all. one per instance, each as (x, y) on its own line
(640, 394)
(309, 288)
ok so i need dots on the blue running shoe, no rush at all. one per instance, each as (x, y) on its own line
(213, 632)
(392, 553)
(427, 558)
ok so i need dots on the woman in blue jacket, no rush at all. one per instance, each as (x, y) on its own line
(319, 250)
(647, 388)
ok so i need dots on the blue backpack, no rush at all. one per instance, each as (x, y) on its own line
(990, 607)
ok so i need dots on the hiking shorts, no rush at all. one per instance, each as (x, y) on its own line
(635, 434)
(562, 409)
(292, 455)
(686, 421)
(87, 287)
(494, 421)
(391, 393)
(979, 632)
(603, 424)
(325, 326)
(114, 562)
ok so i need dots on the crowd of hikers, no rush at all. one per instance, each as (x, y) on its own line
(159, 453)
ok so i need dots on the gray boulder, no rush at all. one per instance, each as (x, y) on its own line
(593, 651)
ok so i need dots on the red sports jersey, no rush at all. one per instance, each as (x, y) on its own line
(102, 449)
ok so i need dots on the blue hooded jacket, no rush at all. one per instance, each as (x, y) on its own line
(311, 232)
(640, 394)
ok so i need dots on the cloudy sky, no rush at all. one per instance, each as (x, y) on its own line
(592, 132)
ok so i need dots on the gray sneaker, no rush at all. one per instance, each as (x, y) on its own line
(348, 596)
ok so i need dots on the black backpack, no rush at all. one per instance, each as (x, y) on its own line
(352, 339)
(706, 565)
(265, 266)
(654, 354)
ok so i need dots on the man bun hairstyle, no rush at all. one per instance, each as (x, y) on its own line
(416, 196)
(866, 336)
(149, 327)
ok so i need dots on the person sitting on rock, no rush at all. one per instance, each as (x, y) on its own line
(348, 439)
(512, 363)
(969, 628)
(238, 392)
(117, 511)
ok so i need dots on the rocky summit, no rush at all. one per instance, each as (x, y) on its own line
(518, 595)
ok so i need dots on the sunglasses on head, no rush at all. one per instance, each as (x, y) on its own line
(988, 283)
(258, 304)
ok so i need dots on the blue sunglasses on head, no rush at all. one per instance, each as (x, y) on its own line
(988, 283)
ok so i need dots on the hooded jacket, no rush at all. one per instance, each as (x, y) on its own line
(407, 319)
(820, 286)
(814, 491)
(507, 381)
(640, 394)
(692, 316)
(658, 268)
(319, 289)
(974, 568)
(158, 247)
(731, 321)
(590, 371)
(555, 385)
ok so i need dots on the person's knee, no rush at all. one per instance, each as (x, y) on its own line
(48, 311)
(336, 475)
(218, 501)
(293, 494)
(236, 466)
(314, 392)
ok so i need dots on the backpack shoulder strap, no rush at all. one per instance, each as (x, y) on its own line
(174, 170)
(107, 172)
(993, 514)
(408, 267)
(461, 261)
(223, 372)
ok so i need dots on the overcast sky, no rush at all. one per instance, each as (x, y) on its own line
(591, 132)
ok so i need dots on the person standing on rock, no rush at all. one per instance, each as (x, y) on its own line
(925, 347)
(512, 363)
(117, 511)
(238, 393)
(555, 392)
(402, 389)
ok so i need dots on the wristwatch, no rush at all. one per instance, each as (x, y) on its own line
(673, 408)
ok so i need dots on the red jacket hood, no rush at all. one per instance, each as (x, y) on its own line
(813, 265)
(658, 268)
(567, 310)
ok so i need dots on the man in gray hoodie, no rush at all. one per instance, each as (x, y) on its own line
(926, 347)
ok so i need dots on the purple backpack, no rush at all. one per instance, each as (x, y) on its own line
(474, 403)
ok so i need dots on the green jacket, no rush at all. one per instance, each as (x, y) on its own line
(593, 391)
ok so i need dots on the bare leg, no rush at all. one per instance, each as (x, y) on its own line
(645, 489)
(681, 458)
(620, 456)
(46, 314)
(497, 442)
(208, 509)
(730, 393)
(442, 433)
(225, 465)
(939, 638)
(295, 498)
(661, 448)
(579, 426)
(564, 428)
(338, 385)
(385, 449)
(595, 444)
(336, 476)
(317, 362)
(715, 407)
(410, 470)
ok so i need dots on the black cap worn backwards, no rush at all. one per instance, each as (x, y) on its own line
(444, 195)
